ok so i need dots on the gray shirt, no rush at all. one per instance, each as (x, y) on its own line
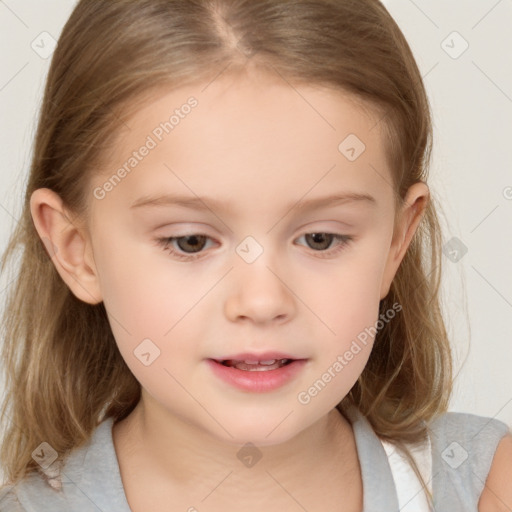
(463, 446)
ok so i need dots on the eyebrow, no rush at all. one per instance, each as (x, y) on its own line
(207, 203)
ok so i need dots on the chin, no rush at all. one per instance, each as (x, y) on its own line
(262, 429)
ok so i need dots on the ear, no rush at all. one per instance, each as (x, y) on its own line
(68, 244)
(416, 200)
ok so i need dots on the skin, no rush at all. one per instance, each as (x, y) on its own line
(497, 493)
(255, 143)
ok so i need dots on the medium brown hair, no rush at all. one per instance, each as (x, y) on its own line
(63, 371)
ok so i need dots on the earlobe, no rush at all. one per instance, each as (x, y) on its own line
(67, 245)
(416, 201)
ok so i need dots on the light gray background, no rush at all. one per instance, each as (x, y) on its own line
(471, 175)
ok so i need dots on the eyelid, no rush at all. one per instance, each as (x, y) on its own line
(342, 240)
(167, 241)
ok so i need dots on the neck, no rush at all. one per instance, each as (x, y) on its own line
(182, 457)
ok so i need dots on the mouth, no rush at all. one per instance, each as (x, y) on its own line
(257, 373)
(255, 365)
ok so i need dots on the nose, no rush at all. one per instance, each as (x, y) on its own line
(258, 293)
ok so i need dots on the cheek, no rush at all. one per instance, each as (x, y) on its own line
(347, 294)
(348, 308)
(145, 294)
(346, 300)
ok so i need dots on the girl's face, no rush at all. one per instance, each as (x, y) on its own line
(255, 165)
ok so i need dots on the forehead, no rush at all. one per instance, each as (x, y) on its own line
(247, 135)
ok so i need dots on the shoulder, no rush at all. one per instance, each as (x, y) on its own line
(472, 457)
(29, 493)
(465, 424)
(465, 435)
(9, 501)
(88, 479)
(497, 493)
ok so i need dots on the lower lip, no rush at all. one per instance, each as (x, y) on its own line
(257, 381)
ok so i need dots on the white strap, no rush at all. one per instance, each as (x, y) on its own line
(411, 495)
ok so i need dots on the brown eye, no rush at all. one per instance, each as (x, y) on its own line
(191, 243)
(320, 241)
(185, 247)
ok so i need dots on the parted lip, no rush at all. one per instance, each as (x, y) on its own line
(262, 356)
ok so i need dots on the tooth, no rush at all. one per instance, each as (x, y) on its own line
(242, 365)
(270, 364)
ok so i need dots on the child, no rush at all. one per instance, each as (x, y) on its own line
(261, 368)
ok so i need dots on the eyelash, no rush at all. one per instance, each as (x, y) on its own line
(344, 240)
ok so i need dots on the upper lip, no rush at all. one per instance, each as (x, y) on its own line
(262, 356)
